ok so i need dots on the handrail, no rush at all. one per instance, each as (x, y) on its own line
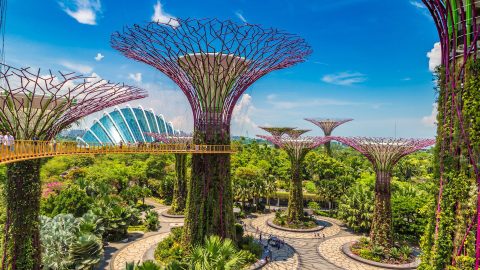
(24, 149)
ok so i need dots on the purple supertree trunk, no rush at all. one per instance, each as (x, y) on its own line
(33, 104)
(383, 153)
(457, 25)
(213, 62)
(297, 148)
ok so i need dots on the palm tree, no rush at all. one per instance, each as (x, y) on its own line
(216, 254)
(270, 188)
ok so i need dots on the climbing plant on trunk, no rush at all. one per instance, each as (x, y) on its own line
(33, 104)
(384, 153)
(213, 62)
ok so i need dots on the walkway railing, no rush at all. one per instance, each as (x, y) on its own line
(24, 150)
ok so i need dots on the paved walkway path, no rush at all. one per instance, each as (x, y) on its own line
(304, 244)
(138, 245)
(306, 251)
(135, 251)
(331, 250)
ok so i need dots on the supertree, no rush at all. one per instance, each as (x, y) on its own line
(35, 104)
(328, 125)
(383, 153)
(180, 185)
(213, 62)
(297, 148)
(277, 131)
(457, 134)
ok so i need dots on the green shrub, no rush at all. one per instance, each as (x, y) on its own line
(71, 200)
(405, 251)
(239, 231)
(395, 253)
(216, 253)
(248, 243)
(151, 220)
(170, 249)
(378, 251)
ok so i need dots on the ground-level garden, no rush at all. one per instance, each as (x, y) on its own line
(90, 201)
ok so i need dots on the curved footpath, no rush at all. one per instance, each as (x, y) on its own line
(309, 251)
(139, 246)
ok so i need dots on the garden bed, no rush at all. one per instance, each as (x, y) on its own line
(166, 214)
(413, 263)
(319, 225)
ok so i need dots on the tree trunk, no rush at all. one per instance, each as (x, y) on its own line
(22, 229)
(209, 209)
(180, 186)
(295, 199)
(328, 149)
(381, 232)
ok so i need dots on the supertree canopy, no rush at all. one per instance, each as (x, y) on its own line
(277, 131)
(180, 185)
(213, 62)
(458, 135)
(328, 125)
(36, 105)
(383, 153)
(297, 148)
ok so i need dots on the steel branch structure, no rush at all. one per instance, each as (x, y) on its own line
(39, 105)
(458, 26)
(213, 62)
(297, 148)
(383, 153)
(328, 125)
(182, 139)
(277, 131)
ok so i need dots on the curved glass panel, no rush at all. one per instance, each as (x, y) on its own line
(113, 128)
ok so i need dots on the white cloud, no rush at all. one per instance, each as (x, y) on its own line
(431, 120)
(162, 17)
(76, 67)
(242, 122)
(418, 4)
(84, 11)
(240, 16)
(435, 56)
(137, 77)
(344, 78)
(99, 57)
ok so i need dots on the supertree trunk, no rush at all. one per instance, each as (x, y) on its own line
(295, 199)
(180, 187)
(328, 149)
(210, 200)
(22, 230)
(381, 232)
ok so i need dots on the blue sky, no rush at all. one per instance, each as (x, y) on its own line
(369, 62)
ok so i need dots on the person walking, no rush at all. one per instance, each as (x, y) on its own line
(35, 143)
(9, 142)
(2, 147)
(54, 144)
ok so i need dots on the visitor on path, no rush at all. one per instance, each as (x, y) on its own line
(120, 144)
(35, 143)
(1, 142)
(9, 142)
(54, 144)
